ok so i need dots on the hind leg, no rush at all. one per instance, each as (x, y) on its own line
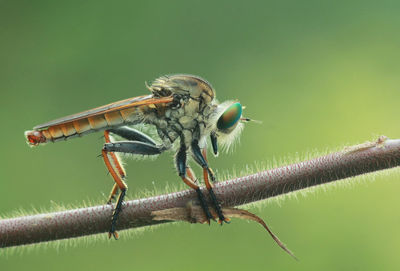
(129, 134)
(115, 167)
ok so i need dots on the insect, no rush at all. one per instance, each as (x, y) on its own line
(184, 113)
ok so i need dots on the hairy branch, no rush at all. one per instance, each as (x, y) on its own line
(353, 161)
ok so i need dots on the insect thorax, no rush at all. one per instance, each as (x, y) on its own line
(186, 118)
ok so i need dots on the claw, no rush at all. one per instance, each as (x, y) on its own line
(114, 234)
(221, 220)
(209, 217)
(204, 206)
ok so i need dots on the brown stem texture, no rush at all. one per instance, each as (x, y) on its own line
(352, 161)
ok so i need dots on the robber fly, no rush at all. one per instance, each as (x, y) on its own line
(180, 107)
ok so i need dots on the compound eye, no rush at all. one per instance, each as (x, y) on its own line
(230, 117)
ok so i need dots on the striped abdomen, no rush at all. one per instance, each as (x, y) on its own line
(74, 128)
(121, 113)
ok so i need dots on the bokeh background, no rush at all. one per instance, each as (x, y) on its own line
(318, 74)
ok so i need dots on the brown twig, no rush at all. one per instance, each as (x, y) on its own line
(353, 161)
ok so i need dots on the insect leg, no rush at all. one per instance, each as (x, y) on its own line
(113, 192)
(122, 186)
(201, 159)
(129, 134)
(214, 143)
(135, 147)
(182, 168)
(132, 135)
(117, 164)
(190, 174)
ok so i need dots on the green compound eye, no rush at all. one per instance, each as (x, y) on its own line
(230, 117)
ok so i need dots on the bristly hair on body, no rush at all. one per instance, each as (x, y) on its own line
(184, 113)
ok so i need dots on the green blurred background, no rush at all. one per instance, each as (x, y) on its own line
(318, 74)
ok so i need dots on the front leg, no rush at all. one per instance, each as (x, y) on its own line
(201, 159)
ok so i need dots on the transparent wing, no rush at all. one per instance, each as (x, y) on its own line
(120, 105)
